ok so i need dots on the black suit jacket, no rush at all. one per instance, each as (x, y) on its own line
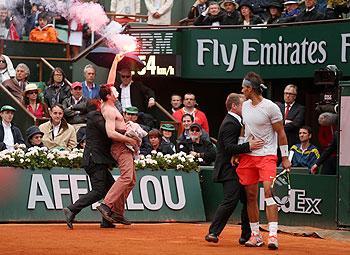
(227, 146)
(17, 136)
(98, 145)
(296, 115)
(140, 94)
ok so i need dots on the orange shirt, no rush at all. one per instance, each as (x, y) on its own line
(45, 34)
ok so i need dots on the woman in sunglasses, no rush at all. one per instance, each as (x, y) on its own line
(32, 101)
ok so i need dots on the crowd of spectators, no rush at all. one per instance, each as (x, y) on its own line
(65, 105)
(260, 12)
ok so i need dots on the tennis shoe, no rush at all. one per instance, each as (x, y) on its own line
(273, 243)
(255, 240)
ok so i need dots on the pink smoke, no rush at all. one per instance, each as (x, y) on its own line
(90, 13)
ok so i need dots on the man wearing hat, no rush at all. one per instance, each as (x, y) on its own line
(9, 134)
(75, 107)
(34, 137)
(167, 131)
(197, 146)
(232, 15)
(132, 114)
(291, 8)
(275, 9)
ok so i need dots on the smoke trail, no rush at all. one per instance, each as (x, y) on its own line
(125, 43)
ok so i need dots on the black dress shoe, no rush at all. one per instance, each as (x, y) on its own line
(120, 219)
(244, 237)
(212, 238)
(106, 224)
(69, 217)
(106, 212)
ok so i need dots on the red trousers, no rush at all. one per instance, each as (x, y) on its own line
(118, 193)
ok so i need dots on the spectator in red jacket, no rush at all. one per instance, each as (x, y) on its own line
(189, 103)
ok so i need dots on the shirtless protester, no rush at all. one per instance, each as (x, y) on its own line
(113, 207)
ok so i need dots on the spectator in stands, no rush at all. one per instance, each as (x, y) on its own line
(155, 142)
(75, 109)
(328, 158)
(159, 12)
(81, 138)
(9, 133)
(309, 14)
(127, 7)
(232, 15)
(34, 137)
(134, 93)
(197, 146)
(213, 16)
(197, 9)
(4, 23)
(291, 9)
(336, 8)
(131, 114)
(57, 132)
(187, 121)
(75, 36)
(90, 89)
(57, 89)
(189, 108)
(275, 9)
(304, 154)
(176, 102)
(167, 131)
(44, 32)
(247, 14)
(33, 103)
(17, 84)
(6, 68)
(31, 19)
(326, 154)
(293, 114)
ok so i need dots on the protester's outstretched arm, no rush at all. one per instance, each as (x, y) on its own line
(113, 71)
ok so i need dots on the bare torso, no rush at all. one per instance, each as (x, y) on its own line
(112, 111)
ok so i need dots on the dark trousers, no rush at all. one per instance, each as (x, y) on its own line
(101, 181)
(233, 192)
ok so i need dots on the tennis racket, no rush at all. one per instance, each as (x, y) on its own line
(280, 188)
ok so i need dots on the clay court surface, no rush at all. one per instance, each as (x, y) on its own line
(147, 239)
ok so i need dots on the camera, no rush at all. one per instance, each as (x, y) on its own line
(327, 77)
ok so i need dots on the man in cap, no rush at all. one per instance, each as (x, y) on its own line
(262, 121)
(232, 15)
(132, 114)
(309, 14)
(291, 8)
(9, 134)
(197, 146)
(34, 137)
(75, 106)
(167, 131)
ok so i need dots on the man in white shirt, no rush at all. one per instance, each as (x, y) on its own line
(263, 121)
(134, 93)
(9, 134)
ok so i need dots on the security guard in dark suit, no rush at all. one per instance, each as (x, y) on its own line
(225, 170)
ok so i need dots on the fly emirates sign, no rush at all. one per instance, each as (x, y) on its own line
(281, 52)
